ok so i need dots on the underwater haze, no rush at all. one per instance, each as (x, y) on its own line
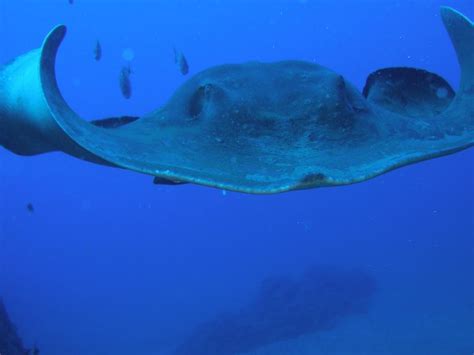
(97, 260)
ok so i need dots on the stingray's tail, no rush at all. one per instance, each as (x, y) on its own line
(461, 31)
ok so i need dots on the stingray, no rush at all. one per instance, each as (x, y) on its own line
(254, 127)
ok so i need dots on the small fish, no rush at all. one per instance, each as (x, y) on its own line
(30, 207)
(97, 51)
(124, 81)
(181, 61)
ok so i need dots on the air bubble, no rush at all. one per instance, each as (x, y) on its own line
(128, 54)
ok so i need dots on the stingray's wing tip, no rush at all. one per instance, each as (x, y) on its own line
(58, 32)
(450, 14)
(461, 31)
(51, 44)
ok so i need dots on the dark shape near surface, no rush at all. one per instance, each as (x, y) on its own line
(254, 127)
(285, 308)
(30, 207)
(97, 51)
(71, 2)
(181, 61)
(124, 81)
(10, 343)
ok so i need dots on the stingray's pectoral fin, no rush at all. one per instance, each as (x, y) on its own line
(421, 94)
(461, 31)
(27, 126)
(459, 118)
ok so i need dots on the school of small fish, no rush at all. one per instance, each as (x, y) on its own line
(125, 84)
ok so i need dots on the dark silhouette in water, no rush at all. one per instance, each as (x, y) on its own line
(10, 343)
(285, 308)
(71, 2)
(30, 207)
(181, 61)
(124, 81)
(97, 51)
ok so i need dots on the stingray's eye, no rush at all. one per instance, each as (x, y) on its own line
(204, 98)
(196, 103)
(199, 99)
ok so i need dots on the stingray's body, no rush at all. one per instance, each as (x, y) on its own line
(254, 127)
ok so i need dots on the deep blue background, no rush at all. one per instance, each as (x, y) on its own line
(111, 264)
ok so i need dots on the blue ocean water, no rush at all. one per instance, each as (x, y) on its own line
(109, 263)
